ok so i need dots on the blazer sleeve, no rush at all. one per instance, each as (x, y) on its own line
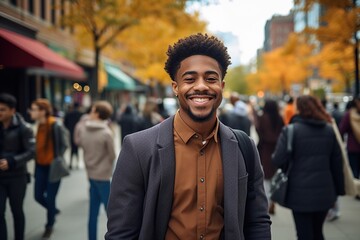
(257, 220)
(125, 206)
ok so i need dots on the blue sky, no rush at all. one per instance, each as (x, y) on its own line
(245, 19)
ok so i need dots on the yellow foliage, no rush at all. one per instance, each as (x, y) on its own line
(283, 67)
(145, 47)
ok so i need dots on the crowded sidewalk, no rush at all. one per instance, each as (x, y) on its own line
(73, 202)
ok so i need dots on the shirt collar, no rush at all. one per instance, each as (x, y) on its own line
(186, 133)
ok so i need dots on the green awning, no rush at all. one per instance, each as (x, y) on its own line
(117, 79)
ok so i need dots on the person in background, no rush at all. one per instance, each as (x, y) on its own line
(129, 122)
(316, 174)
(289, 110)
(238, 117)
(45, 191)
(268, 126)
(185, 178)
(150, 115)
(97, 140)
(337, 114)
(70, 120)
(17, 147)
(350, 126)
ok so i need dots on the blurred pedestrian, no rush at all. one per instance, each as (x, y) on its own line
(350, 126)
(289, 110)
(185, 178)
(316, 174)
(150, 115)
(237, 118)
(17, 147)
(268, 126)
(97, 141)
(129, 121)
(70, 120)
(337, 114)
(47, 146)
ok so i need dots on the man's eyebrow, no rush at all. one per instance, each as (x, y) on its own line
(194, 72)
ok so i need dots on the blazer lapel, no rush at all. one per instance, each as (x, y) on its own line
(231, 175)
(166, 152)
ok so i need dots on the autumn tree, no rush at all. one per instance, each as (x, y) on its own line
(145, 47)
(336, 34)
(99, 22)
(283, 67)
(235, 80)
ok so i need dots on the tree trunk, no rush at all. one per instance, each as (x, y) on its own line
(94, 86)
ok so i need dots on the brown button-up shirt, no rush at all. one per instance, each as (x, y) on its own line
(197, 211)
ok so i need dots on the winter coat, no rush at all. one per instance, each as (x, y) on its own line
(17, 146)
(268, 136)
(97, 141)
(316, 175)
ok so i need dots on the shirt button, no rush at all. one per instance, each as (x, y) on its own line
(196, 136)
(202, 236)
(202, 180)
(202, 209)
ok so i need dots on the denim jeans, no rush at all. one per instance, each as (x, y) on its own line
(45, 193)
(99, 193)
(14, 189)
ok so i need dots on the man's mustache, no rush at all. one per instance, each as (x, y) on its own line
(203, 94)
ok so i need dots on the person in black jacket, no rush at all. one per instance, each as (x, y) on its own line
(316, 173)
(17, 146)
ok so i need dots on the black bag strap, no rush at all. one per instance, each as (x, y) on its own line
(289, 145)
(246, 148)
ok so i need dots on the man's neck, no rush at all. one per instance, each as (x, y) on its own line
(203, 128)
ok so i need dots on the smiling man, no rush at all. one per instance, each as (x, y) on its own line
(186, 178)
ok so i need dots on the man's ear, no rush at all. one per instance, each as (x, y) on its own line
(175, 88)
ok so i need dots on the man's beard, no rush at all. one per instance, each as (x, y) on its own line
(201, 118)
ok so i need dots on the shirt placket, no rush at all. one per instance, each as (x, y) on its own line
(201, 192)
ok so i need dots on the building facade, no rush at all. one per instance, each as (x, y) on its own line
(277, 30)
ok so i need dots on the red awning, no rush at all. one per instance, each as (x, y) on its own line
(17, 51)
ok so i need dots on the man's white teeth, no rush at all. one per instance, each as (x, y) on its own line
(200, 100)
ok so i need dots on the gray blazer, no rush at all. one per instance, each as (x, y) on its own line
(143, 182)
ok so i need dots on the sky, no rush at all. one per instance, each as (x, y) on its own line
(245, 19)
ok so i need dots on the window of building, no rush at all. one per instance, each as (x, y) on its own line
(62, 14)
(53, 12)
(43, 9)
(31, 6)
(13, 2)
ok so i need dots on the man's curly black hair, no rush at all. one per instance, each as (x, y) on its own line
(197, 44)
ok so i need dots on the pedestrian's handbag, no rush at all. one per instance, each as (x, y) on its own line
(279, 182)
(351, 183)
(58, 167)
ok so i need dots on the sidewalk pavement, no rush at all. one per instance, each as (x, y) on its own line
(71, 223)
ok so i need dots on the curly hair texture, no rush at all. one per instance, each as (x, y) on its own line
(197, 44)
(311, 108)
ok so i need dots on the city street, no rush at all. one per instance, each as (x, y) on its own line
(72, 200)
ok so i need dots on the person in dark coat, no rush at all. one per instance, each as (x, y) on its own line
(237, 118)
(70, 121)
(17, 147)
(129, 122)
(316, 175)
(268, 127)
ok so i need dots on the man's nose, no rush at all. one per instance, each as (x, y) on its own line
(201, 84)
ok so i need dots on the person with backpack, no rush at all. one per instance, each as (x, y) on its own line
(52, 139)
(17, 147)
(186, 178)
